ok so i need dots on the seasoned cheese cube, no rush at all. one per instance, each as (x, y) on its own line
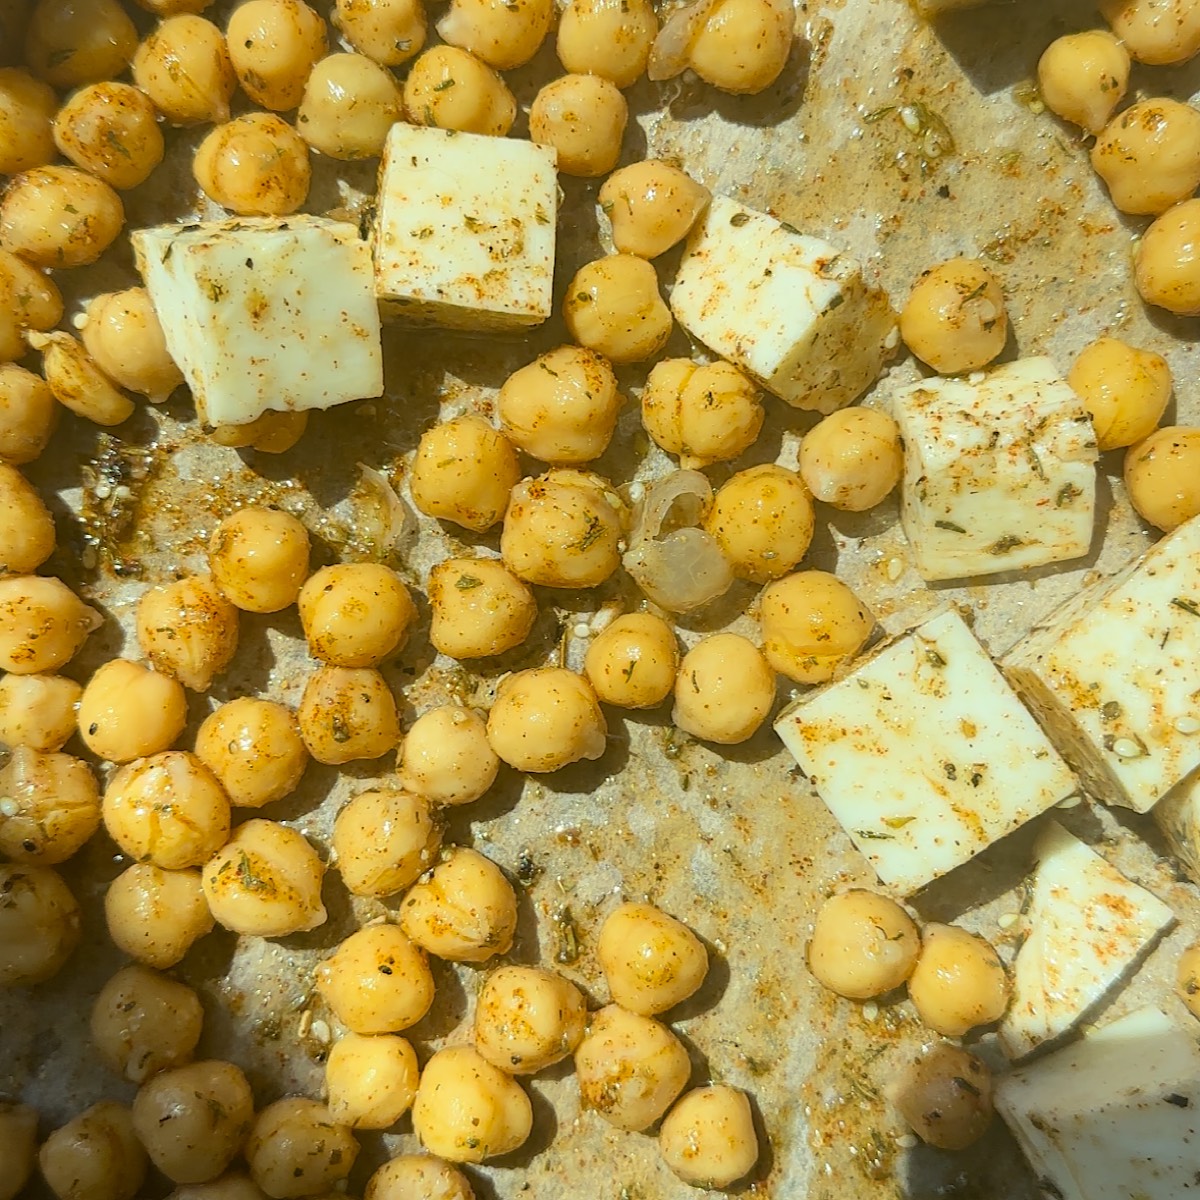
(999, 471)
(924, 754)
(465, 228)
(1088, 927)
(263, 313)
(793, 311)
(1115, 675)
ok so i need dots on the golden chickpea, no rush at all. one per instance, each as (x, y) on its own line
(18, 1146)
(125, 339)
(609, 38)
(384, 839)
(743, 45)
(724, 689)
(30, 301)
(546, 718)
(480, 608)
(388, 31)
(265, 882)
(946, 1097)
(350, 103)
(377, 981)
(463, 472)
(38, 710)
(156, 916)
(1167, 263)
(259, 558)
(272, 433)
(348, 713)
(255, 165)
(652, 205)
(297, 1149)
(704, 414)
(42, 624)
(446, 756)
(583, 117)
(27, 536)
(72, 42)
(813, 625)
(110, 130)
(527, 1019)
(1126, 390)
(614, 307)
(96, 1156)
(1149, 155)
(955, 319)
(467, 1110)
(143, 1023)
(128, 711)
(863, 944)
(184, 67)
(49, 806)
(763, 520)
(372, 1081)
(77, 382)
(504, 33)
(1083, 77)
(1187, 978)
(1162, 476)
(852, 459)
(630, 1068)
(651, 961)
(1155, 31)
(27, 108)
(39, 924)
(188, 630)
(255, 749)
(28, 412)
(412, 1176)
(274, 45)
(708, 1139)
(233, 1185)
(59, 217)
(356, 614)
(958, 982)
(172, 8)
(632, 663)
(453, 89)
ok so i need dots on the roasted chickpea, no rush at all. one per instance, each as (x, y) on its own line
(463, 472)
(583, 117)
(110, 130)
(42, 624)
(632, 663)
(1126, 390)
(77, 382)
(1162, 476)
(272, 433)
(652, 205)
(946, 1097)
(527, 1019)
(184, 67)
(613, 306)
(273, 46)
(384, 839)
(453, 89)
(955, 319)
(355, 614)
(1187, 978)
(504, 33)
(708, 1139)
(156, 916)
(171, 8)
(388, 31)
(863, 944)
(546, 718)
(350, 103)
(96, 1156)
(651, 961)
(18, 1146)
(371, 1081)
(296, 1149)
(724, 689)
(743, 45)
(259, 558)
(763, 520)
(958, 982)
(128, 711)
(813, 625)
(1083, 77)
(49, 806)
(348, 713)
(72, 42)
(1149, 155)
(609, 38)
(38, 710)
(852, 459)
(59, 217)
(39, 924)
(189, 630)
(446, 756)
(27, 534)
(29, 300)
(255, 165)
(233, 1185)
(1167, 263)
(480, 608)
(1155, 31)
(412, 1176)
(27, 109)
(255, 749)
(28, 411)
(266, 881)
(125, 339)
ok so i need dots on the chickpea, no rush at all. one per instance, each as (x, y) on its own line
(743, 45)
(18, 1146)
(1083, 77)
(480, 608)
(377, 981)
(273, 46)
(708, 1139)
(633, 661)
(630, 1068)
(384, 839)
(1149, 155)
(527, 1019)
(59, 217)
(172, 8)
(863, 944)
(28, 412)
(467, 1110)
(128, 711)
(546, 718)
(1155, 31)
(184, 67)
(143, 1023)
(583, 117)
(49, 806)
(348, 713)
(1187, 978)
(234, 1185)
(265, 882)
(704, 414)
(125, 339)
(96, 1156)
(193, 1119)
(958, 982)
(609, 38)
(272, 433)
(946, 1097)
(388, 31)
(28, 301)
(463, 472)
(189, 630)
(156, 916)
(38, 710)
(412, 1176)
(813, 625)
(72, 42)
(255, 749)
(650, 961)
(504, 33)
(356, 614)
(27, 534)
(652, 205)
(724, 689)
(852, 459)
(1162, 476)
(1166, 262)
(27, 108)
(255, 165)
(613, 306)
(372, 1081)
(296, 1149)
(1126, 390)
(110, 130)
(259, 558)
(77, 382)
(453, 89)
(350, 103)
(762, 519)
(42, 624)
(39, 924)
(955, 319)
(446, 756)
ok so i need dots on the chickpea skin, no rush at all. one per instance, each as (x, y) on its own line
(863, 945)
(633, 662)
(40, 924)
(255, 165)
(78, 383)
(1083, 77)
(446, 756)
(110, 130)
(184, 67)
(18, 1146)
(1187, 978)
(1162, 476)
(28, 411)
(125, 339)
(384, 840)
(946, 1097)
(724, 690)
(59, 217)
(743, 45)
(255, 749)
(652, 205)
(72, 42)
(763, 520)
(1126, 390)
(650, 961)
(348, 713)
(463, 472)
(27, 108)
(583, 117)
(271, 433)
(480, 608)
(38, 711)
(614, 307)
(259, 558)
(852, 459)
(1166, 262)
(609, 38)
(29, 303)
(545, 719)
(189, 630)
(128, 711)
(355, 614)
(1149, 156)
(1160, 32)
(388, 31)
(42, 624)
(813, 625)
(296, 1149)
(156, 916)
(955, 319)
(95, 1156)
(504, 33)
(27, 535)
(371, 1081)
(273, 46)
(452, 89)
(527, 1019)
(708, 1139)
(349, 105)
(415, 1175)
(49, 806)
(959, 982)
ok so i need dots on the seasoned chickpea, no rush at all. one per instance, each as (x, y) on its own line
(446, 756)
(377, 981)
(388, 31)
(266, 881)
(77, 382)
(413, 1176)
(29, 301)
(125, 339)
(59, 217)
(504, 33)
(355, 614)
(274, 45)
(763, 520)
(527, 1019)
(193, 1119)
(813, 625)
(171, 8)
(38, 710)
(724, 689)
(863, 944)
(49, 806)
(272, 433)
(189, 630)
(1187, 978)
(39, 924)
(708, 1138)
(946, 1097)
(743, 45)
(583, 117)
(42, 624)
(184, 67)
(18, 1146)
(27, 534)
(96, 1156)
(72, 42)
(1149, 155)
(463, 472)
(128, 711)
(852, 459)
(297, 1149)
(259, 558)
(384, 839)
(1162, 476)
(480, 608)
(350, 103)
(110, 130)
(632, 663)
(27, 108)
(652, 205)
(28, 411)
(233, 1185)
(144, 1022)
(614, 307)
(1082, 77)
(255, 165)
(651, 961)
(348, 713)
(1126, 390)
(1166, 261)
(546, 718)
(704, 414)
(562, 407)
(609, 38)
(467, 1110)
(154, 915)
(958, 982)
(1155, 31)
(955, 319)
(255, 749)
(452, 89)
(371, 1081)
(630, 1068)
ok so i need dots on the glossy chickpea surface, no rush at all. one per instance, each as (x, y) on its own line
(946, 1097)
(297, 1149)
(1082, 77)
(863, 944)
(609, 38)
(1166, 262)
(189, 630)
(28, 414)
(95, 1156)
(955, 319)
(128, 711)
(852, 459)
(27, 534)
(1187, 978)
(743, 45)
(763, 520)
(452, 89)
(1149, 155)
(410, 1176)
(259, 558)
(350, 103)
(545, 718)
(377, 981)
(77, 381)
(463, 472)
(388, 31)
(49, 806)
(724, 689)
(479, 608)
(38, 711)
(384, 839)
(632, 663)
(1155, 31)
(125, 340)
(27, 107)
(504, 33)
(72, 42)
(273, 46)
(446, 756)
(156, 916)
(527, 1019)
(355, 614)
(650, 960)
(42, 624)
(185, 69)
(110, 130)
(348, 713)
(255, 165)
(1162, 476)
(708, 1139)
(583, 117)
(1125, 390)
(614, 306)
(255, 750)
(958, 982)
(40, 924)
(59, 217)
(371, 1081)
(30, 302)
(813, 625)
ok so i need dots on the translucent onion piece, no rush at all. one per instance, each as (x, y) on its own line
(672, 48)
(382, 521)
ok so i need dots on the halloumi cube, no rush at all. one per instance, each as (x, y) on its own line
(465, 229)
(1115, 675)
(924, 754)
(265, 313)
(790, 310)
(999, 471)
(1088, 928)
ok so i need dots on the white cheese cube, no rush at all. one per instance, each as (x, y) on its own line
(1115, 675)
(1115, 1116)
(924, 754)
(999, 471)
(1088, 928)
(265, 313)
(465, 229)
(792, 311)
